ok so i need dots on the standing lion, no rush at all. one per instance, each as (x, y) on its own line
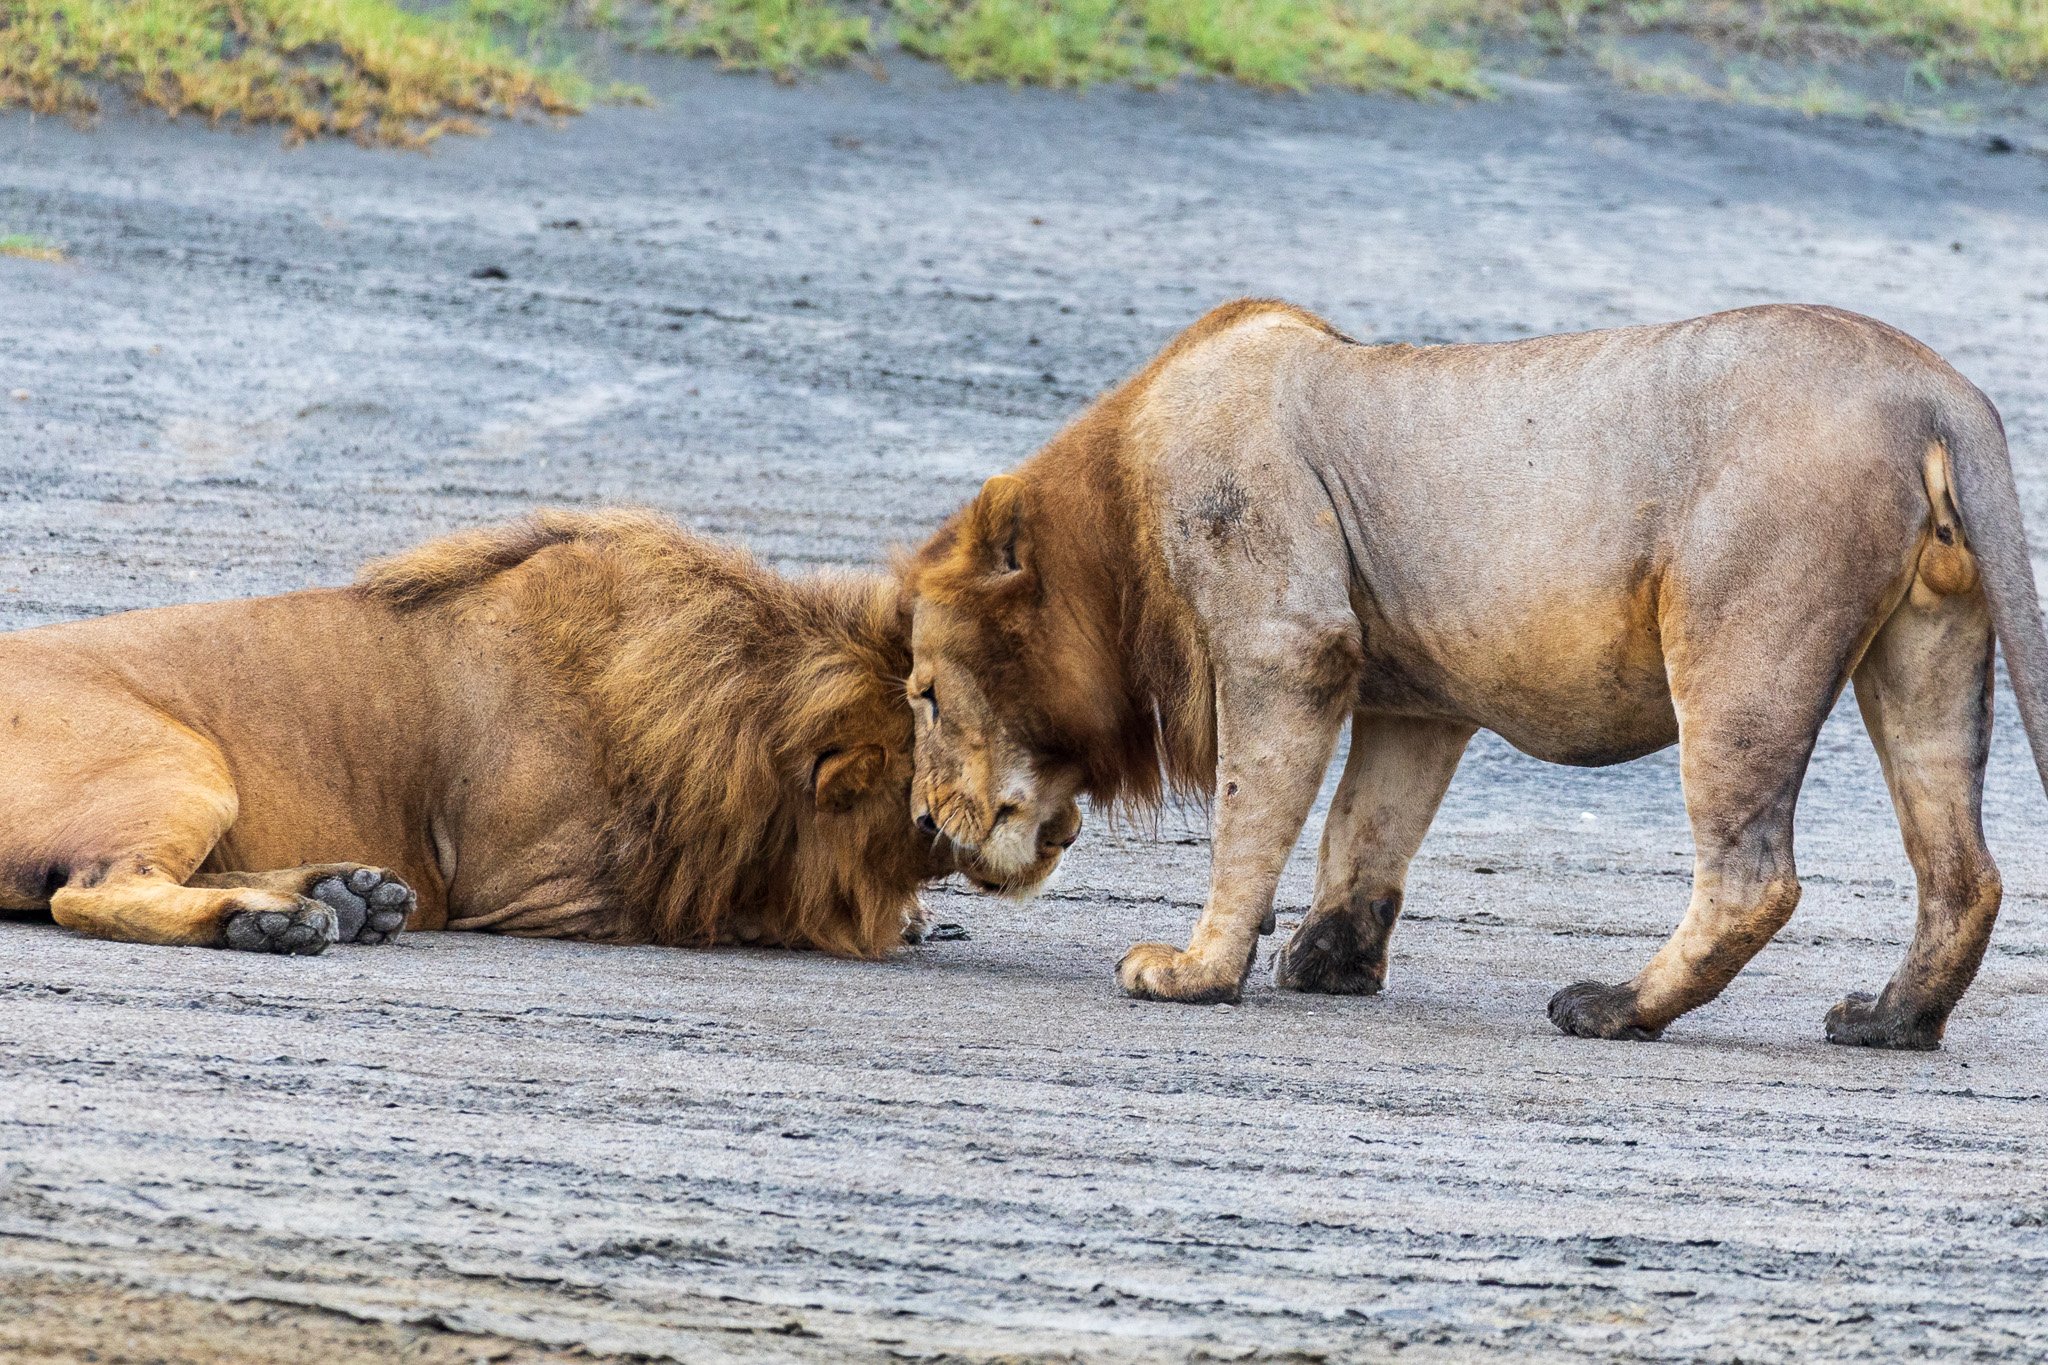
(576, 726)
(1592, 545)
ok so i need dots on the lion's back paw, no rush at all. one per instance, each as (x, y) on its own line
(306, 928)
(370, 904)
(1861, 1020)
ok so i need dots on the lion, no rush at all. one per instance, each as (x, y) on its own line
(1594, 545)
(590, 726)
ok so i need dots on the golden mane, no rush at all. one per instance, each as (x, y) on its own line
(1137, 706)
(719, 692)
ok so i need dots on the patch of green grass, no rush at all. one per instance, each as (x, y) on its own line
(365, 69)
(407, 71)
(27, 247)
(1816, 96)
(782, 37)
(1405, 45)
(2004, 38)
(1075, 42)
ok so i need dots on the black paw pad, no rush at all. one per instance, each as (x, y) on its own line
(1593, 1010)
(306, 929)
(370, 905)
(1867, 1021)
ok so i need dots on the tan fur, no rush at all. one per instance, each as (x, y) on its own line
(578, 725)
(1584, 543)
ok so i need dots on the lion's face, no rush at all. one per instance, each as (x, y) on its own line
(863, 788)
(998, 875)
(991, 772)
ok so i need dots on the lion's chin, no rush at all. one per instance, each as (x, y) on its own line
(1019, 888)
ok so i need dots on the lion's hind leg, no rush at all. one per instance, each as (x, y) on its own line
(1750, 702)
(1925, 692)
(151, 907)
(370, 904)
(111, 806)
(1742, 758)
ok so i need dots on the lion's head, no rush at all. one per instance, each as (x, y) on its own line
(858, 843)
(1048, 658)
(751, 727)
(1021, 680)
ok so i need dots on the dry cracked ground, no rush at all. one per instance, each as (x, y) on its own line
(815, 318)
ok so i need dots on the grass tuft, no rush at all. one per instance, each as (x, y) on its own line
(782, 37)
(365, 69)
(22, 246)
(2008, 38)
(1401, 45)
(2003, 38)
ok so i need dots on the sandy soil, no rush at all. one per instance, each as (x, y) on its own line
(815, 317)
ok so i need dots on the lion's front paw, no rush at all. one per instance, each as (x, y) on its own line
(1865, 1021)
(916, 924)
(1593, 1010)
(370, 905)
(1337, 954)
(306, 928)
(1159, 971)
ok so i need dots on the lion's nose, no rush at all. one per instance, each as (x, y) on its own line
(926, 824)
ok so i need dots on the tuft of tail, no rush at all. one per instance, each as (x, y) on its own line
(1989, 501)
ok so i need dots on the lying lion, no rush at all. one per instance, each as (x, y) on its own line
(1592, 545)
(576, 726)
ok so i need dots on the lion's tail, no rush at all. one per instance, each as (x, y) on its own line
(461, 561)
(1989, 502)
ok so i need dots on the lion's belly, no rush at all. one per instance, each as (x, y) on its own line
(1583, 685)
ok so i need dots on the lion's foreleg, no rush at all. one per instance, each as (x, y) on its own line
(1281, 697)
(1394, 780)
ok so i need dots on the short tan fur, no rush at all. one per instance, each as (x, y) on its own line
(1595, 545)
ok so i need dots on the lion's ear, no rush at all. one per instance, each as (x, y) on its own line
(842, 776)
(997, 525)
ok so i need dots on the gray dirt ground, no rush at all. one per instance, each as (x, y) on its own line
(814, 318)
